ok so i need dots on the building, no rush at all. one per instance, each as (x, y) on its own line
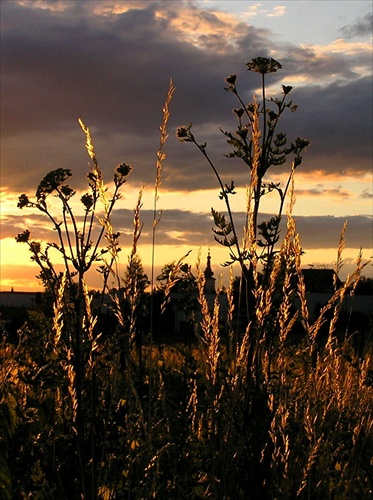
(320, 286)
(178, 301)
(19, 299)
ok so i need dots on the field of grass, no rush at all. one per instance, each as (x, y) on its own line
(97, 406)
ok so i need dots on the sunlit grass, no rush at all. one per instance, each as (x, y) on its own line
(100, 399)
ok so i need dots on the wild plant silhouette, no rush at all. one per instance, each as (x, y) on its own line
(96, 404)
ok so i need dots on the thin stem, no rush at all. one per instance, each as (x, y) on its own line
(273, 127)
(60, 237)
(263, 157)
(225, 196)
(103, 228)
(74, 260)
(93, 211)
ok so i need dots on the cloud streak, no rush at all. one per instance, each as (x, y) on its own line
(187, 227)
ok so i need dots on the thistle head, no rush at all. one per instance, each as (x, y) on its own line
(184, 134)
(122, 171)
(23, 237)
(23, 201)
(231, 81)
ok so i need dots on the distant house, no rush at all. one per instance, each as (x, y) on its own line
(180, 317)
(321, 280)
(14, 307)
(19, 299)
(321, 284)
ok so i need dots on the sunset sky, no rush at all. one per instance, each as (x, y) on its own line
(110, 63)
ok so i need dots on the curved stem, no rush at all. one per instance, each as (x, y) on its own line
(68, 237)
(60, 237)
(66, 207)
(50, 267)
(264, 153)
(243, 105)
(273, 127)
(90, 224)
(225, 196)
(281, 207)
(106, 220)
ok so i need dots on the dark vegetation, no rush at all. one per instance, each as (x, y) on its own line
(99, 400)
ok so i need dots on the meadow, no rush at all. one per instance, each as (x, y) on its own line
(98, 401)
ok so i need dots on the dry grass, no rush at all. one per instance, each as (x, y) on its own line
(264, 413)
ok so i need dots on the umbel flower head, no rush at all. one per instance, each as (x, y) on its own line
(52, 181)
(263, 65)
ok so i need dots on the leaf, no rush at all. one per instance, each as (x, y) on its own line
(219, 219)
(219, 233)
(225, 231)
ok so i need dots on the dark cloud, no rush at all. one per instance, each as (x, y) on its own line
(109, 74)
(325, 231)
(363, 26)
(319, 191)
(315, 231)
(182, 227)
(338, 121)
(114, 70)
(317, 66)
(15, 224)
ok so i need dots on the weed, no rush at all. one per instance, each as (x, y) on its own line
(92, 407)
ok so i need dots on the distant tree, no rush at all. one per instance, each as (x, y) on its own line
(364, 286)
(179, 280)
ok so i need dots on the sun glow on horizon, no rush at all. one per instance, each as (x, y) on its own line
(203, 32)
(21, 276)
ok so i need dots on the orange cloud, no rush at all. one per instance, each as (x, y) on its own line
(204, 29)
